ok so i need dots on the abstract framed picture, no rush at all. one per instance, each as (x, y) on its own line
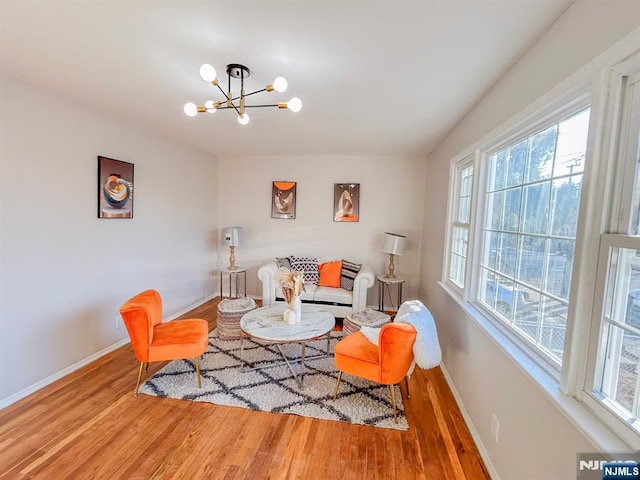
(346, 202)
(115, 188)
(283, 200)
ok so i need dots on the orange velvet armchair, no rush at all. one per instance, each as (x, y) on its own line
(154, 341)
(387, 363)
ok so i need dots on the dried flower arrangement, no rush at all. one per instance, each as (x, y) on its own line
(291, 282)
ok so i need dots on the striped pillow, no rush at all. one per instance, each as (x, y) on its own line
(348, 274)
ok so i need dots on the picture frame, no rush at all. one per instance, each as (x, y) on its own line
(283, 199)
(346, 202)
(115, 188)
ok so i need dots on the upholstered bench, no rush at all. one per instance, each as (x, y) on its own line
(365, 318)
(230, 311)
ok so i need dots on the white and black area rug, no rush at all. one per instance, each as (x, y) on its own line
(274, 389)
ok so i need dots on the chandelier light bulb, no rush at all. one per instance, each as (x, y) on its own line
(207, 72)
(295, 104)
(210, 106)
(191, 109)
(280, 84)
(243, 119)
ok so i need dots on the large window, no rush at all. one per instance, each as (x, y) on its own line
(531, 214)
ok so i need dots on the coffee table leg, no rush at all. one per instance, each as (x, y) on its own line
(304, 345)
(293, 372)
(328, 342)
(243, 364)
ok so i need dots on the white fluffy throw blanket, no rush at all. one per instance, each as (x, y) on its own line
(426, 349)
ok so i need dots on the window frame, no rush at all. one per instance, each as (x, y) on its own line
(457, 166)
(605, 409)
(620, 151)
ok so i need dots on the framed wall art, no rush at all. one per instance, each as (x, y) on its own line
(283, 200)
(115, 188)
(346, 202)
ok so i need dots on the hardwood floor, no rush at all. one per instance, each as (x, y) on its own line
(89, 425)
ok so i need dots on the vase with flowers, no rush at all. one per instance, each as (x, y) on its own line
(292, 286)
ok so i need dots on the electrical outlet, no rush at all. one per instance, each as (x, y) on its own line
(119, 323)
(495, 428)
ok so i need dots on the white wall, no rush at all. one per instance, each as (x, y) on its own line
(536, 439)
(391, 199)
(63, 272)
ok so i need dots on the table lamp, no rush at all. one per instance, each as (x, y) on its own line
(393, 245)
(232, 237)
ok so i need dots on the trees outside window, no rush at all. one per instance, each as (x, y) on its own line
(532, 200)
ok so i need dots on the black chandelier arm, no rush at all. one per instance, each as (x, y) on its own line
(257, 91)
(245, 95)
(246, 106)
(226, 108)
(260, 106)
(220, 88)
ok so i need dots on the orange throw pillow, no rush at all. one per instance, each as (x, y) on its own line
(330, 274)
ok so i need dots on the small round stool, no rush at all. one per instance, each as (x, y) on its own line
(365, 318)
(230, 311)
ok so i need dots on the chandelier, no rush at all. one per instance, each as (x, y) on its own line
(238, 102)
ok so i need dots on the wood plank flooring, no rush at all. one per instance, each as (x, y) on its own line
(88, 425)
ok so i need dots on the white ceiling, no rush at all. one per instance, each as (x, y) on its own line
(375, 77)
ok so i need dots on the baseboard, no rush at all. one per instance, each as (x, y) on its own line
(472, 429)
(5, 402)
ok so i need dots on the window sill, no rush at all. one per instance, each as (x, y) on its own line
(580, 416)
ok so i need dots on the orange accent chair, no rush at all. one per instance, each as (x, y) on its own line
(154, 341)
(387, 363)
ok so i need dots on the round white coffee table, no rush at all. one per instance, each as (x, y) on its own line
(266, 324)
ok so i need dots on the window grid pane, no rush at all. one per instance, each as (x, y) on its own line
(458, 265)
(532, 202)
(618, 369)
(460, 228)
(464, 202)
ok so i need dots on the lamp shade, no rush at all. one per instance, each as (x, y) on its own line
(232, 236)
(394, 243)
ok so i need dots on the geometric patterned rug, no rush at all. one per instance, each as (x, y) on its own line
(359, 401)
